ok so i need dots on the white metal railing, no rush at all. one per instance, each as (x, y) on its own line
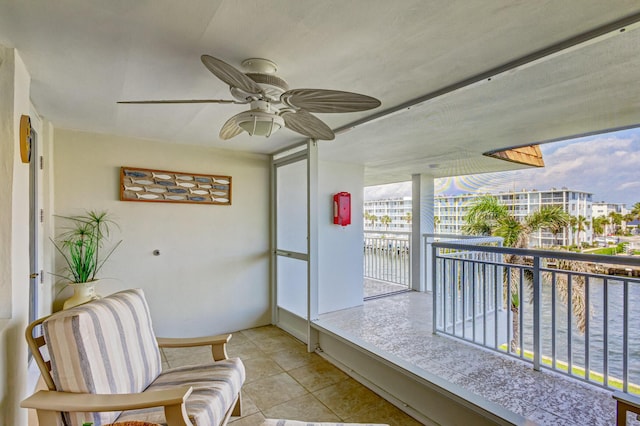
(568, 312)
(387, 256)
(452, 238)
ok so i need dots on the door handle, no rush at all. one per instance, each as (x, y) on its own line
(33, 275)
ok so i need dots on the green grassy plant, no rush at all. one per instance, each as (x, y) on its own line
(82, 243)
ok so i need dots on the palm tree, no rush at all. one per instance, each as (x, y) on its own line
(573, 224)
(373, 218)
(482, 217)
(599, 224)
(635, 210)
(563, 219)
(488, 217)
(616, 221)
(436, 222)
(581, 224)
(385, 220)
(554, 218)
(407, 217)
(629, 217)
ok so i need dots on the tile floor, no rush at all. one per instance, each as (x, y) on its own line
(309, 388)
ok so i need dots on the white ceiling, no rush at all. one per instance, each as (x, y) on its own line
(84, 56)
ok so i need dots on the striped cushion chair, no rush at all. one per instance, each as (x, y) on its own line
(105, 355)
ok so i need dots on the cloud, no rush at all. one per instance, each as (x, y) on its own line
(385, 192)
(629, 185)
(608, 166)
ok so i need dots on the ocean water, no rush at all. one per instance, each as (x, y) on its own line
(569, 340)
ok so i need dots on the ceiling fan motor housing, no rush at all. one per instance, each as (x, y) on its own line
(271, 85)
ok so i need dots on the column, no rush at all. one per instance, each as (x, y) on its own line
(422, 207)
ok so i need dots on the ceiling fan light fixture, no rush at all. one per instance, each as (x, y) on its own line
(259, 123)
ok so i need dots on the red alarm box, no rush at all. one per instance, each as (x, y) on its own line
(342, 208)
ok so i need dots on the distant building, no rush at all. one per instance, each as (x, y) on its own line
(604, 209)
(449, 212)
(398, 209)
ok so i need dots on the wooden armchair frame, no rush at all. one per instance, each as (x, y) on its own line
(625, 403)
(50, 404)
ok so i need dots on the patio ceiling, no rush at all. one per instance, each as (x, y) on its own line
(85, 56)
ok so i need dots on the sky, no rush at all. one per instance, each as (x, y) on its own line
(606, 165)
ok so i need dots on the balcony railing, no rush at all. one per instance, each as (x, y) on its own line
(567, 312)
(387, 256)
(455, 239)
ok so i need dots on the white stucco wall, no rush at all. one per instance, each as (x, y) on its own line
(212, 275)
(14, 238)
(340, 248)
(6, 175)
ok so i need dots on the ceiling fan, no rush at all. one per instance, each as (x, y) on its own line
(272, 104)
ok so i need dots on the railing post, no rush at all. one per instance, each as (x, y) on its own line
(431, 270)
(429, 262)
(537, 312)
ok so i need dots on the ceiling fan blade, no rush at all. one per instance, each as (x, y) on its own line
(185, 101)
(320, 100)
(230, 75)
(230, 129)
(307, 124)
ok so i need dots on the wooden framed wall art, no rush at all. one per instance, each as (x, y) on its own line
(173, 187)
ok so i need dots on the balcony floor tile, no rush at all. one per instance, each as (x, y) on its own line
(547, 398)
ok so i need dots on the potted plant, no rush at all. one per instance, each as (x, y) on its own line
(82, 248)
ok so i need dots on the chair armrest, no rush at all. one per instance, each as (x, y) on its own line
(68, 401)
(624, 403)
(171, 399)
(627, 399)
(218, 344)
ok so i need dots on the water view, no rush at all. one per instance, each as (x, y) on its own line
(595, 330)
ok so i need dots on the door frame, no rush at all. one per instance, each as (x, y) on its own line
(36, 217)
(308, 152)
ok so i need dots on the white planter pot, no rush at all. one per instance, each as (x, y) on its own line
(82, 293)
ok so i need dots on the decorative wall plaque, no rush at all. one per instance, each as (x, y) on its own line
(173, 187)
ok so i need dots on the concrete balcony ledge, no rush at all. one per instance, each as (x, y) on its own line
(501, 389)
(425, 396)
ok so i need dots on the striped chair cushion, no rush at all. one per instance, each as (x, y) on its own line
(105, 346)
(215, 387)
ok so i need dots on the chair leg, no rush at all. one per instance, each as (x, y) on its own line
(46, 417)
(237, 409)
(621, 416)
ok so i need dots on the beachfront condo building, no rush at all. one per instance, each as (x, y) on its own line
(449, 212)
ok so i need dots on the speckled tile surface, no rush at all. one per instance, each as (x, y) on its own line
(374, 288)
(543, 397)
